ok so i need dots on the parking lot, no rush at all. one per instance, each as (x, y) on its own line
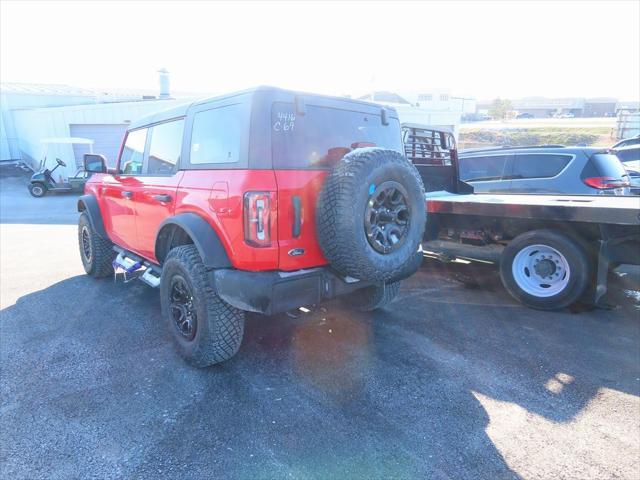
(448, 382)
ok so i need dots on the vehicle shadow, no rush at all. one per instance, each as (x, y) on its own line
(91, 384)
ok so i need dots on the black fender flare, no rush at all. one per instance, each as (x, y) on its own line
(89, 204)
(204, 237)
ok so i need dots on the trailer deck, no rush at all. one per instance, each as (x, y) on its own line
(575, 208)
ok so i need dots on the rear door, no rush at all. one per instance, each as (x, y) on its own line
(155, 196)
(304, 149)
(488, 173)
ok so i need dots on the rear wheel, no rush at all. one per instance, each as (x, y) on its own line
(374, 297)
(544, 269)
(96, 252)
(205, 329)
(37, 189)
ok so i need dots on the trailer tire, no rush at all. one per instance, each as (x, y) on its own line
(204, 329)
(545, 270)
(96, 253)
(370, 216)
(372, 298)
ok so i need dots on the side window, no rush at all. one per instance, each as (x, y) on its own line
(133, 152)
(533, 165)
(476, 169)
(165, 147)
(216, 136)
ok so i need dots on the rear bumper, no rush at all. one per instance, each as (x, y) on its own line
(277, 292)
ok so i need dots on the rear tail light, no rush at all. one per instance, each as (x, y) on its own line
(257, 219)
(606, 182)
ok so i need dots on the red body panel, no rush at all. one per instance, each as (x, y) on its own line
(217, 196)
(307, 185)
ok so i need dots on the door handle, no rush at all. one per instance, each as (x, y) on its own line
(127, 194)
(162, 198)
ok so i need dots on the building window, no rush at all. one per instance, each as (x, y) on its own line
(444, 97)
(425, 97)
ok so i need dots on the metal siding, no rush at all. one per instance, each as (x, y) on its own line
(107, 138)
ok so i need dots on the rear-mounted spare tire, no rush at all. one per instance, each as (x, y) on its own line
(371, 216)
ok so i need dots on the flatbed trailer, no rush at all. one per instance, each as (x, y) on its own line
(552, 250)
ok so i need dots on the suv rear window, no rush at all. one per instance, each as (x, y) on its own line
(323, 135)
(603, 165)
(538, 165)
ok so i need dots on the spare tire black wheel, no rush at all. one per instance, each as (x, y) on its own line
(371, 216)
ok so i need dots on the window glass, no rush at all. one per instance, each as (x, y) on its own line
(532, 165)
(322, 136)
(216, 135)
(628, 154)
(606, 165)
(475, 169)
(165, 147)
(133, 151)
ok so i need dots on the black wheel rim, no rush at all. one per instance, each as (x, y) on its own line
(182, 308)
(85, 237)
(387, 217)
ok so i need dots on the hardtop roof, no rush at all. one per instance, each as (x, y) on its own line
(181, 110)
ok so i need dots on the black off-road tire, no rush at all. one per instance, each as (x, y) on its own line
(219, 326)
(572, 251)
(37, 189)
(96, 253)
(341, 212)
(373, 298)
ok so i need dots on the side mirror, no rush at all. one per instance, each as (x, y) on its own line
(94, 163)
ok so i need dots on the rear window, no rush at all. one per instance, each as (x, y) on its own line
(478, 169)
(536, 165)
(628, 154)
(322, 136)
(603, 165)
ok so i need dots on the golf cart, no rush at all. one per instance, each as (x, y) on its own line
(43, 181)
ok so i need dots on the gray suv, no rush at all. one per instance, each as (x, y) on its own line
(550, 169)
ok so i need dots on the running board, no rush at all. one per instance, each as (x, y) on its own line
(130, 266)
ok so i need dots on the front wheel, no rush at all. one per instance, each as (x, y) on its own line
(544, 269)
(204, 328)
(96, 252)
(37, 189)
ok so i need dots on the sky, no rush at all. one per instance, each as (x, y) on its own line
(481, 49)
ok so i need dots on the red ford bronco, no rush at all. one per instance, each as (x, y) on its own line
(260, 201)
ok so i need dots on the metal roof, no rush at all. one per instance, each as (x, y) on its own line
(45, 89)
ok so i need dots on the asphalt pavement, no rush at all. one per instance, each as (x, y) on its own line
(448, 382)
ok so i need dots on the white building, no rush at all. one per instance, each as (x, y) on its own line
(436, 108)
(30, 113)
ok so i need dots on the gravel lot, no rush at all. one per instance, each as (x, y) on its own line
(448, 382)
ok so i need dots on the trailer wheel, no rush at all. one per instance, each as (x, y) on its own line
(544, 269)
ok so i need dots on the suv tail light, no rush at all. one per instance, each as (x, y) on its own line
(605, 182)
(257, 219)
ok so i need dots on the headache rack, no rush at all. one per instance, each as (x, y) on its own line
(427, 147)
